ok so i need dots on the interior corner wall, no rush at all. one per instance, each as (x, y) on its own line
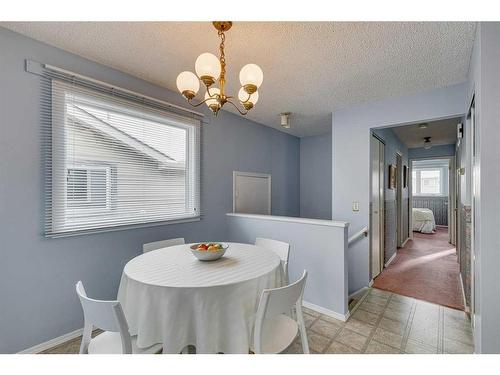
(38, 274)
(393, 145)
(316, 177)
(484, 84)
(351, 155)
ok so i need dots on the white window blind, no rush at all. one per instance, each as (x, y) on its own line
(117, 162)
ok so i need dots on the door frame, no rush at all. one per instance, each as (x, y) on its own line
(451, 194)
(381, 210)
(266, 176)
(399, 199)
(474, 183)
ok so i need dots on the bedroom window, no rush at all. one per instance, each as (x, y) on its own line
(430, 181)
(116, 163)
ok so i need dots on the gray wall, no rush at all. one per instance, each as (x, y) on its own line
(37, 275)
(351, 155)
(485, 83)
(393, 145)
(319, 249)
(316, 177)
(434, 151)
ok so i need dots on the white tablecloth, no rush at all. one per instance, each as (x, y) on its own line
(170, 297)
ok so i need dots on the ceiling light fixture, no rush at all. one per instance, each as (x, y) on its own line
(285, 120)
(427, 143)
(210, 69)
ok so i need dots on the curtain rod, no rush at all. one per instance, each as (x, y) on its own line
(37, 68)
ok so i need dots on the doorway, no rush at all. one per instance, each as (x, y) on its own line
(377, 208)
(419, 176)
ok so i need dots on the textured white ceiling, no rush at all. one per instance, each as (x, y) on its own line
(442, 132)
(310, 68)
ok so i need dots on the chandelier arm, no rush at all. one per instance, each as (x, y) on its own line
(200, 103)
(235, 106)
(208, 91)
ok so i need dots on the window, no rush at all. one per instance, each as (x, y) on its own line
(88, 189)
(115, 162)
(430, 180)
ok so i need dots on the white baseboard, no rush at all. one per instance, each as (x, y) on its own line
(322, 310)
(405, 241)
(466, 308)
(391, 259)
(370, 283)
(358, 292)
(52, 343)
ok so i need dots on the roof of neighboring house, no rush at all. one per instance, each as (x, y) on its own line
(85, 118)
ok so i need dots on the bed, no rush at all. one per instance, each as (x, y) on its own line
(423, 220)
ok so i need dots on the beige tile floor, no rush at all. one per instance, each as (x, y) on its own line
(389, 323)
(383, 323)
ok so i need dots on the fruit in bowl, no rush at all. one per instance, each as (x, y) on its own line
(208, 250)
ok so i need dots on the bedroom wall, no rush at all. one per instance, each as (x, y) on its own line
(393, 145)
(38, 274)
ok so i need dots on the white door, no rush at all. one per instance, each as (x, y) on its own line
(377, 149)
(251, 193)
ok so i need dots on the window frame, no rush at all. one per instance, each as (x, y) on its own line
(417, 190)
(59, 167)
(82, 212)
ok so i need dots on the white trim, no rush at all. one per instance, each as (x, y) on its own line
(370, 283)
(53, 342)
(328, 223)
(405, 241)
(266, 176)
(391, 259)
(324, 311)
(466, 308)
(364, 293)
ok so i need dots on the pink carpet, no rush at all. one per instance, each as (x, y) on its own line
(427, 269)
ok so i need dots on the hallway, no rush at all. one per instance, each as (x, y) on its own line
(426, 268)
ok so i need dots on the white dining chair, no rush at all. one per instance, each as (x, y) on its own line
(108, 316)
(281, 249)
(274, 329)
(160, 244)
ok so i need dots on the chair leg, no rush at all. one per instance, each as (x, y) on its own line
(302, 329)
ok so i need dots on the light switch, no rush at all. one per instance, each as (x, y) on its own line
(355, 206)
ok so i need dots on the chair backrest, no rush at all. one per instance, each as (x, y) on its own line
(278, 301)
(106, 315)
(281, 249)
(160, 244)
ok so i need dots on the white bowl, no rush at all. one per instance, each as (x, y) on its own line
(206, 255)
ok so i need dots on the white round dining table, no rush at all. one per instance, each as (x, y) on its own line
(170, 297)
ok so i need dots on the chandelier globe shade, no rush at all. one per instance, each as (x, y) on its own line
(208, 67)
(246, 99)
(188, 84)
(212, 99)
(251, 77)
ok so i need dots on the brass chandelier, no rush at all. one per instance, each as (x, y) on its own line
(210, 69)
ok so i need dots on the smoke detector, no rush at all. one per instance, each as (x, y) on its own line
(285, 120)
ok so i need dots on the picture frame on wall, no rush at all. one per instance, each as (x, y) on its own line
(392, 176)
(405, 176)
